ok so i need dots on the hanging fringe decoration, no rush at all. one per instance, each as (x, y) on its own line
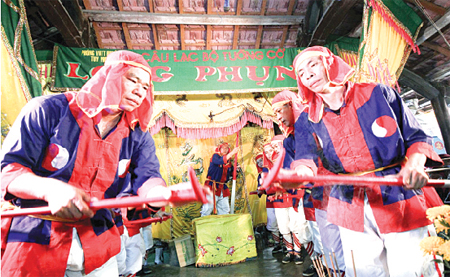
(204, 132)
(394, 23)
(383, 76)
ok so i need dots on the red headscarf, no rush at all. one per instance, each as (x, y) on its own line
(284, 97)
(338, 72)
(259, 156)
(104, 89)
(225, 144)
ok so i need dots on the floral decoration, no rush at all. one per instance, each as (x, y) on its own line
(202, 249)
(439, 244)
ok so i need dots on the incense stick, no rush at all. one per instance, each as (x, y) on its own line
(332, 264)
(335, 261)
(319, 262)
(353, 260)
(326, 264)
(316, 266)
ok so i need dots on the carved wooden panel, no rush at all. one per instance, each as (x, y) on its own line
(110, 35)
(277, 7)
(165, 6)
(195, 37)
(247, 37)
(251, 6)
(135, 5)
(271, 36)
(291, 38)
(218, 6)
(168, 37)
(222, 37)
(141, 36)
(194, 6)
(300, 7)
(102, 5)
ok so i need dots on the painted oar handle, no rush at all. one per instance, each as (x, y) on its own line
(148, 220)
(323, 180)
(173, 196)
(26, 211)
(291, 177)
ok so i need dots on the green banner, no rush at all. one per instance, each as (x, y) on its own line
(17, 38)
(190, 72)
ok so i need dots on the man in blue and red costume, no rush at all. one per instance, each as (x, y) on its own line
(287, 107)
(365, 129)
(219, 173)
(67, 150)
(263, 164)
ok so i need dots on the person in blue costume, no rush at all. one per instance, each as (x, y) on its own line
(220, 171)
(68, 150)
(365, 129)
(263, 163)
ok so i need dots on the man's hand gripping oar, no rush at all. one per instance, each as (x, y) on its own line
(174, 195)
(290, 179)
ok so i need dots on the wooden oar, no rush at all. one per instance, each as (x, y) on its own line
(148, 220)
(291, 177)
(182, 196)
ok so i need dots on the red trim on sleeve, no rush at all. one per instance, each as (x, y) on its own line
(424, 148)
(309, 163)
(9, 173)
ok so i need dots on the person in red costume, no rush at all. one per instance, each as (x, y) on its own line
(365, 129)
(220, 172)
(67, 150)
(264, 163)
(287, 107)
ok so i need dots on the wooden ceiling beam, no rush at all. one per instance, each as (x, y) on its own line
(236, 28)
(182, 31)
(291, 7)
(420, 60)
(441, 23)
(336, 12)
(194, 19)
(417, 83)
(440, 76)
(59, 17)
(430, 6)
(126, 32)
(283, 36)
(208, 27)
(97, 30)
(260, 27)
(436, 47)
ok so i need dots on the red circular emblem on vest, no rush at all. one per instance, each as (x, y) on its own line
(384, 126)
(56, 157)
(439, 145)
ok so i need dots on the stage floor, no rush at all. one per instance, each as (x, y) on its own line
(265, 264)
